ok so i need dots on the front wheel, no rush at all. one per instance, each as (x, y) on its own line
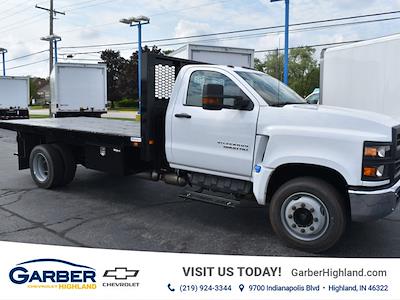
(308, 214)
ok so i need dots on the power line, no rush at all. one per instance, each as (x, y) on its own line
(245, 30)
(244, 36)
(238, 31)
(247, 36)
(30, 64)
(15, 5)
(92, 5)
(257, 51)
(21, 25)
(189, 8)
(79, 27)
(28, 55)
(235, 31)
(312, 46)
(78, 4)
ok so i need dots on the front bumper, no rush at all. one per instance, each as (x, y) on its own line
(372, 205)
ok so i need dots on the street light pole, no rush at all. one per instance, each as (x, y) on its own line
(3, 53)
(55, 52)
(138, 21)
(53, 39)
(286, 64)
(286, 56)
(140, 66)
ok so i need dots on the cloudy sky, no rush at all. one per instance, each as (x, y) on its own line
(94, 22)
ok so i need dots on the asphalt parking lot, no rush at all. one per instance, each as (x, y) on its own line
(101, 211)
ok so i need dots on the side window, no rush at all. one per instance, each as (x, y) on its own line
(200, 78)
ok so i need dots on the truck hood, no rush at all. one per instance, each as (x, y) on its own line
(367, 125)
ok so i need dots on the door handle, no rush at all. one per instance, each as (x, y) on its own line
(186, 116)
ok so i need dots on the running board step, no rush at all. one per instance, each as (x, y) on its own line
(195, 196)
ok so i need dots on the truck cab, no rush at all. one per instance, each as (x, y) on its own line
(306, 161)
(230, 135)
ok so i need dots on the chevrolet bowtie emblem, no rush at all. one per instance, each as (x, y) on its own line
(121, 273)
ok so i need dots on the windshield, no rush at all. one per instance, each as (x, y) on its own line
(274, 92)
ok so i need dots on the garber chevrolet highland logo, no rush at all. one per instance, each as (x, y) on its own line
(121, 275)
(53, 274)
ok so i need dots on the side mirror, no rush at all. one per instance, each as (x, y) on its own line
(213, 96)
(242, 103)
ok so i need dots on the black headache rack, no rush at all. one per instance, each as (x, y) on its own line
(14, 114)
(159, 73)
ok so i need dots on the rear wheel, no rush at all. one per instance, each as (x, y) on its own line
(47, 168)
(69, 163)
(308, 214)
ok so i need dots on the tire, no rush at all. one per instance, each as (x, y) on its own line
(69, 163)
(308, 214)
(47, 167)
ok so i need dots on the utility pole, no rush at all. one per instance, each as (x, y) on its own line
(52, 13)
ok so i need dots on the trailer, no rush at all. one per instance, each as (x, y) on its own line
(232, 135)
(14, 98)
(78, 90)
(239, 57)
(363, 75)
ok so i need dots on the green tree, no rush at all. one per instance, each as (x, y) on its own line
(115, 73)
(303, 68)
(34, 88)
(167, 52)
(122, 74)
(35, 84)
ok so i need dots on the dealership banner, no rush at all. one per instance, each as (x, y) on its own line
(43, 272)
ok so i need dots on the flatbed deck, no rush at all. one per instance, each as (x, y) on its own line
(98, 126)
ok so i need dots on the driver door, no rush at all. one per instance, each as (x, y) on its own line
(214, 141)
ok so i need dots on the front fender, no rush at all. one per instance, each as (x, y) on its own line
(261, 177)
(336, 149)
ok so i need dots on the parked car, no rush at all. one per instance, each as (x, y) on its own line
(313, 98)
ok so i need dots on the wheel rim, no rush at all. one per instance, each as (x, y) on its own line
(304, 216)
(40, 167)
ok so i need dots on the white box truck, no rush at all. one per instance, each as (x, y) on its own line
(78, 90)
(363, 75)
(238, 57)
(14, 97)
(232, 135)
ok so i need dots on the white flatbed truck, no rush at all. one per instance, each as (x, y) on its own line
(234, 134)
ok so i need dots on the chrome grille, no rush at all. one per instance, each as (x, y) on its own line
(396, 136)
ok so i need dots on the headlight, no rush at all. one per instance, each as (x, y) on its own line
(377, 151)
(374, 172)
(377, 161)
